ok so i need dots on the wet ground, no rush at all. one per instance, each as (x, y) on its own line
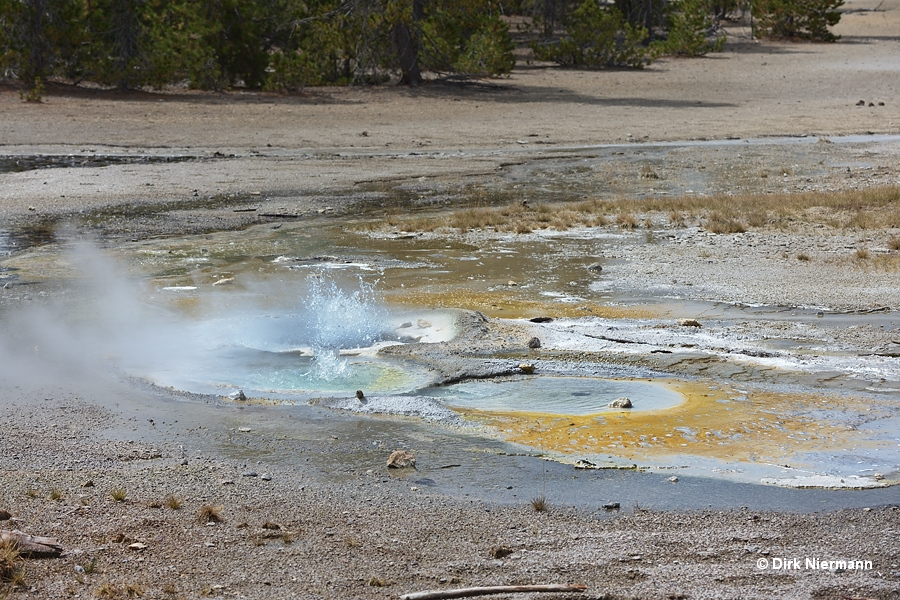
(757, 393)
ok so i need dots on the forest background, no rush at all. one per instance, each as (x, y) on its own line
(286, 45)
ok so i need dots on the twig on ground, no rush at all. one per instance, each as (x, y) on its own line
(492, 589)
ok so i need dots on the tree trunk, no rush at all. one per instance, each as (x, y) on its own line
(406, 40)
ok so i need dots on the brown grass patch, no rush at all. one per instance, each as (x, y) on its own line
(873, 208)
(209, 514)
(11, 570)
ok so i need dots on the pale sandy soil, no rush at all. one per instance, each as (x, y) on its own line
(342, 536)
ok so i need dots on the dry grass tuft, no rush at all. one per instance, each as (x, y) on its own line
(803, 256)
(209, 514)
(119, 494)
(894, 243)
(56, 494)
(134, 590)
(862, 253)
(173, 502)
(107, 590)
(378, 582)
(11, 570)
(539, 504)
(626, 220)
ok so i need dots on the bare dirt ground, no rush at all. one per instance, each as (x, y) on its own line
(365, 534)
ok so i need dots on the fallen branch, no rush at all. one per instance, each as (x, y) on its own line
(492, 589)
(31, 546)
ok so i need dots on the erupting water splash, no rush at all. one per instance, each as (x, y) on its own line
(340, 319)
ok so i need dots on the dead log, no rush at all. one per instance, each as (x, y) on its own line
(492, 589)
(31, 546)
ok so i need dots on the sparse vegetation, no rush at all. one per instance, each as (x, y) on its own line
(107, 590)
(56, 494)
(862, 253)
(539, 504)
(894, 243)
(209, 514)
(872, 208)
(173, 502)
(378, 582)
(119, 494)
(803, 256)
(11, 570)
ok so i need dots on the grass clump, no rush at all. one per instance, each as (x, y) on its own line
(56, 494)
(862, 253)
(11, 570)
(803, 257)
(539, 504)
(173, 502)
(209, 514)
(119, 494)
(894, 243)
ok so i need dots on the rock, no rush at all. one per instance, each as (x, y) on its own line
(137, 546)
(248, 474)
(401, 459)
(583, 463)
(689, 323)
(534, 343)
(526, 368)
(265, 477)
(622, 402)
(5, 515)
(244, 429)
(541, 320)
(672, 479)
(360, 395)
(511, 283)
(612, 506)
(237, 396)
(404, 325)
(499, 552)
(88, 483)
(595, 267)
(876, 477)
(225, 281)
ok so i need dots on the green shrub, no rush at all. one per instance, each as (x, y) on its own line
(690, 26)
(596, 37)
(804, 19)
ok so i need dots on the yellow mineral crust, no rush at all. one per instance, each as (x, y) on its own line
(714, 421)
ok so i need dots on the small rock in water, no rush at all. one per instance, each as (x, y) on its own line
(595, 267)
(877, 476)
(225, 281)
(622, 402)
(673, 479)
(401, 459)
(405, 325)
(534, 343)
(689, 323)
(237, 396)
(583, 463)
(612, 506)
(360, 395)
(526, 368)
(244, 429)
